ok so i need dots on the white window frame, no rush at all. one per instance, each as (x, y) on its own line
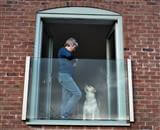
(79, 13)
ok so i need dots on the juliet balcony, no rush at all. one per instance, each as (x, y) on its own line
(111, 79)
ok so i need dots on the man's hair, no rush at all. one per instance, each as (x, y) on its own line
(71, 42)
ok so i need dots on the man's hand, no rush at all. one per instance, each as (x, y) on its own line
(75, 62)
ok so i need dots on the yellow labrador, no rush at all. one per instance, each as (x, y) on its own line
(90, 108)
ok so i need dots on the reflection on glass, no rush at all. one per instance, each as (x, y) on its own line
(97, 80)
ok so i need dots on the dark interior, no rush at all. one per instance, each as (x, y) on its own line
(90, 34)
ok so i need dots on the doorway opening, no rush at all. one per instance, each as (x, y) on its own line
(96, 40)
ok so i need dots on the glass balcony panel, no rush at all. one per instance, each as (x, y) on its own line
(109, 78)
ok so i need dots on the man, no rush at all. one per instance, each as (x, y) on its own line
(71, 93)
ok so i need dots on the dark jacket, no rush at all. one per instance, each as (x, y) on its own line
(65, 61)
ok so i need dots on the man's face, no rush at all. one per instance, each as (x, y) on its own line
(73, 48)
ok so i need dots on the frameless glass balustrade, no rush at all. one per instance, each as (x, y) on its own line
(103, 84)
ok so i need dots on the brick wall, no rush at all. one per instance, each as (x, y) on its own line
(141, 25)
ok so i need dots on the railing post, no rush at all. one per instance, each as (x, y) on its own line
(130, 91)
(25, 91)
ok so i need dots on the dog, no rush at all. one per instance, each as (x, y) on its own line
(90, 107)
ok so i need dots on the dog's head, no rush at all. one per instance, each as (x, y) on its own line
(89, 89)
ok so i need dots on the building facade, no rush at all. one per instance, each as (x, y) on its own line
(109, 32)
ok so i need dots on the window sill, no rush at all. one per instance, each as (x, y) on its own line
(78, 122)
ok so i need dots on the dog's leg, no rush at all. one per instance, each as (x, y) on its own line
(93, 115)
(84, 115)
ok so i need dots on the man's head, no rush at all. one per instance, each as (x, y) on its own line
(71, 44)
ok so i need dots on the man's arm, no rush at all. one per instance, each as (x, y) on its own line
(66, 54)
